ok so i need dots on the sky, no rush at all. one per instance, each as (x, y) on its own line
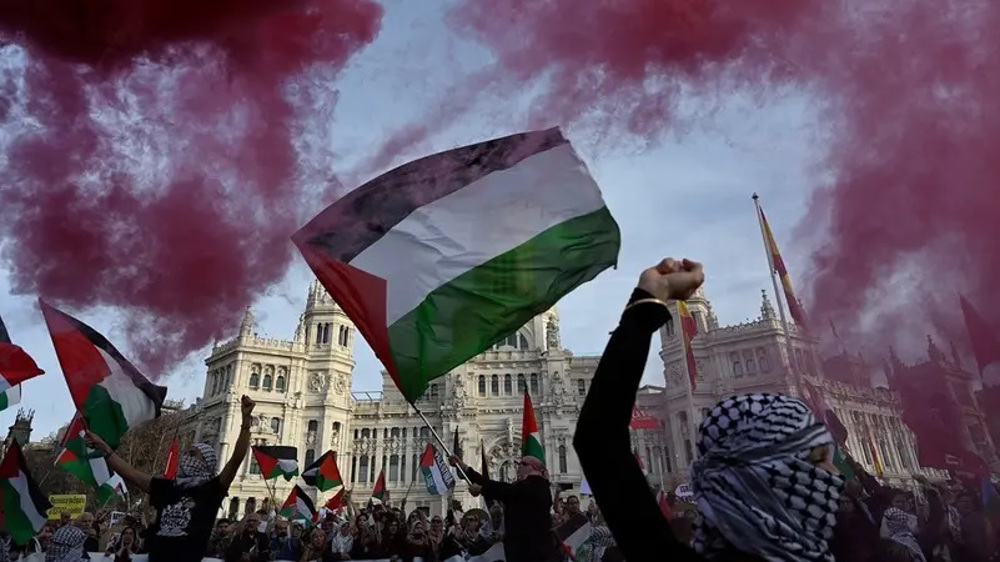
(686, 196)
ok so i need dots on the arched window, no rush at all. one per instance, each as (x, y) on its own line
(319, 333)
(229, 375)
(313, 425)
(276, 425)
(522, 341)
(562, 459)
(267, 382)
(363, 469)
(365, 433)
(522, 384)
(254, 380)
(734, 358)
(234, 508)
(279, 383)
(534, 383)
(254, 467)
(669, 327)
(310, 456)
(394, 432)
(750, 363)
(762, 361)
(336, 427)
(508, 385)
(425, 432)
(251, 506)
(495, 385)
(354, 469)
(433, 392)
(394, 468)
(402, 468)
(482, 385)
(581, 387)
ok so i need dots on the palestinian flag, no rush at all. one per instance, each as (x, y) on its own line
(276, 460)
(22, 504)
(299, 506)
(380, 492)
(323, 474)
(16, 366)
(337, 501)
(108, 390)
(10, 397)
(574, 537)
(437, 475)
(531, 444)
(115, 486)
(440, 258)
(173, 461)
(88, 465)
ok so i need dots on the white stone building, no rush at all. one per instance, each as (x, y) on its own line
(303, 392)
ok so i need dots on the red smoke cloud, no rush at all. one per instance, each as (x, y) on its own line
(909, 92)
(150, 161)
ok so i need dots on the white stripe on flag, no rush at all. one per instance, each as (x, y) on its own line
(20, 484)
(11, 396)
(287, 465)
(136, 406)
(492, 215)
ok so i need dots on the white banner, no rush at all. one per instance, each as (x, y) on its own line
(495, 554)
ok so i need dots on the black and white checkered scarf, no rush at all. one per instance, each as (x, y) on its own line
(66, 545)
(193, 471)
(756, 489)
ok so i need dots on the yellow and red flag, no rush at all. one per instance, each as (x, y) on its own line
(794, 307)
(689, 329)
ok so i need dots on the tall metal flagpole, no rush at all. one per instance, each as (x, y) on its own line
(778, 295)
(438, 438)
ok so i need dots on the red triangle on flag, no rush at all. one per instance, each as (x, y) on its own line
(16, 366)
(173, 461)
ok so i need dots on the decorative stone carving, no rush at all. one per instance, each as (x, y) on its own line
(503, 461)
(316, 382)
(558, 387)
(552, 334)
(340, 384)
(458, 393)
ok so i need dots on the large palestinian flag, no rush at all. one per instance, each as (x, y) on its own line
(323, 473)
(16, 366)
(437, 475)
(531, 443)
(277, 460)
(22, 504)
(108, 390)
(380, 492)
(299, 506)
(85, 463)
(438, 259)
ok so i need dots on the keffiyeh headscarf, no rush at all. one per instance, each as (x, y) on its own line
(757, 490)
(192, 470)
(899, 526)
(66, 545)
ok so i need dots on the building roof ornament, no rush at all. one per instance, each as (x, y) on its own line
(766, 309)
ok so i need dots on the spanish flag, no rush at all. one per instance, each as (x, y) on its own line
(778, 264)
(689, 329)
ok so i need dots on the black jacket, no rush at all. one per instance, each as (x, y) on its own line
(527, 506)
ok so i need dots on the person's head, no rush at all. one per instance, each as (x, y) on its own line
(572, 505)
(470, 522)
(437, 524)
(392, 527)
(853, 488)
(417, 528)
(317, 538)
(251, 522)
(345, 528)
(592, 509)
(327, 526)
(222, 526)
(845, 505)
(297, 530)
(896, 522)
(85, 522)
(530, 466)
(281, 528)
(764, 481)
(65, 519)
(496, 512)
(199, 462)
(128, 536)
(900, 501)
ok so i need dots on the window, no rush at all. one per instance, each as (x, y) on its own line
(534, 383)
(762, 361)
(336, 427)
(279, 383)
(254, 380)
(214, 384)
(750, 363)
(251, 506)
(737, 364)
(522, 341)
(385, 434)
(254, 467)
(354, 469)
(385, 461)
(310, 456)
(394, 468)
(276, 425)
(581, 387)
(425, 432)
(229, 375)
(342, 336)
(365, 433)
(402, 468)
(670, 327)
(234, 509)
(562, 459)
(508, 385)
(404, 433)
(433, 392)
(313, 425)
(394, 432)
(267, 382)
(363, 469)
(495, 385)
(319, 333)
(482, 385)
(522, 383)
(413, 469)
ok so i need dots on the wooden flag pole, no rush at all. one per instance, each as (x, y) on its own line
(439, 440)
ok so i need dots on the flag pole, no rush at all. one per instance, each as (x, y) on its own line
(778, 295)
(690, 389)
(438, 438)
(274, 502)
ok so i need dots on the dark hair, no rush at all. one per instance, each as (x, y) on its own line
(221, 521)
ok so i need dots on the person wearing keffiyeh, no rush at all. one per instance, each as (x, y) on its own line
(899, 526)
(66, 545)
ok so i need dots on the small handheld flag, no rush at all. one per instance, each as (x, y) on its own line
(277, 460)
(323, 474)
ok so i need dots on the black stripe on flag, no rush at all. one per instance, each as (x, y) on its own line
(4, 335)
(360, 218)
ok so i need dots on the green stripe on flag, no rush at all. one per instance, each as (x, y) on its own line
(468, 314)
(15, 521)
(105, 416)
(533, 448)
(840, 461)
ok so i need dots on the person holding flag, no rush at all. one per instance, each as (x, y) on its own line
(186, 506)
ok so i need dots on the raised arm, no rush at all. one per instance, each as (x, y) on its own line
(602, 440)
(228, 473)
(133, 477)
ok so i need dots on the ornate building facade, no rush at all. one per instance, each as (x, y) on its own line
(302, 387)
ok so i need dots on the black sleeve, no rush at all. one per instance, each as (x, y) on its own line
(161, 490)
(603, 444)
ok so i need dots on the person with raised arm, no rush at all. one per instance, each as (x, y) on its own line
(186, 507)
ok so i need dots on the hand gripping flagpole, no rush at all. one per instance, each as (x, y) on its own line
(439, 440)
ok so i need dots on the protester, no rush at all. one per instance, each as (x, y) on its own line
(186, 506)
(899, 526)
(124, 547)
(527, 506)
(341, 544)
(219, 539)
(283, 546)
(66, 545)
(315, 549)
(249, 545)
